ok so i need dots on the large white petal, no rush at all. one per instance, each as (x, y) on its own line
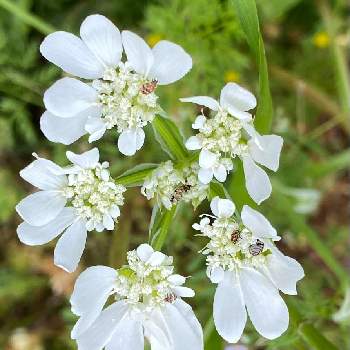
(69, 52)
(93, 284)
(44, 174)
(41, 207)
(144, 251)
(207, 159)
(233, 95)
(202, 101)
(103, 38)
(257, 182)
(184, 334)
(220, 173)
(103, 328)
(37, 235)
(284, 272)
(86, 160)
(70, 246)
(229, 311)
(128, 336)
(63, 130)
(205, 175)
(222, 207)
(266, 309)
(257, 223)
(130, 141)
(96, 127)
(268, 151)
(193, 143)
(68, 97)
(171, 62)
(138, 53)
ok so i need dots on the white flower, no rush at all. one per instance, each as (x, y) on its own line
(120, 95)
(148, 304)
(249, 270)
(170, 185)
(76, 199)
(230, 132)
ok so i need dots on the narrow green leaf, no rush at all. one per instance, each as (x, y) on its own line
(169, 137)
(217, 189)
(248, 17)
(314, 338)
(136, 176)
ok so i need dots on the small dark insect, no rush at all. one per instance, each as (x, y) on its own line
(235, 236)
(179, 191)
(256, 248)
(148, 88)
(170, 298)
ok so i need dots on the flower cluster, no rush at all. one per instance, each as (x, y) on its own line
(170, 185)
(147, 304)
(120, 95)
(242, 258)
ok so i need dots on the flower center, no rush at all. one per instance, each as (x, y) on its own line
(141, 282)
(95, 195)
(128, 100)
(231, 245)
(222, 134)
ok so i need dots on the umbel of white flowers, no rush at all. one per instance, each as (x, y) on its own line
(75, 199)
(121, 95)
(249, 270)
(147, 304)
(230, 133)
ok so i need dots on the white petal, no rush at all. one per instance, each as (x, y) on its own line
(205, 175)
(93, 284)
(69, 52)
(257, 223)
(138, 53)
(284, 271)
(244, 116)
(86, 160)
(171, 62)
(144, 251)
(37, 235)
(63, 130)
(103, 328)
(216, 274)
(177, 280)
(108, 222)
(44, 174)
(207, 159)
(257, 182)
(193, 143)
(268, 151)
(128, 336)
(41, 207)
(156, 259)
(96, 128)
(103, 38)
(223, 208)
(184, 292)
(130, 141)
(266, 309)
(185, 332)
(199, 122)
(233, 95)
(70, 246)
(202, 101)
(229, 311)
(68, 97)
(220, 173)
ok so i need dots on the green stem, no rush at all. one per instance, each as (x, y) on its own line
(314, 338)
(164, 228)
(27, 17)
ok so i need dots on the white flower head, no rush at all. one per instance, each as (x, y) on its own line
(147, 304)
(77, 199)
(121, 95)
(249, 270)
(170, 185)
(230, 133)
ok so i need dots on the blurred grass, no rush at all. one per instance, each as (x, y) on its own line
(309, 86)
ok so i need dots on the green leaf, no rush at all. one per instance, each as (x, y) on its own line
(136, 176)
(217, 189)
(314, 338)
(248, 17)
(169, 137)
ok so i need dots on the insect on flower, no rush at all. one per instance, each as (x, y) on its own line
(256, 248)
(179, 191)
(148, 88)
(170, 298)
(235, 236)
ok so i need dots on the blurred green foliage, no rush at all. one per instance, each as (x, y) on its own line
(308, 112)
